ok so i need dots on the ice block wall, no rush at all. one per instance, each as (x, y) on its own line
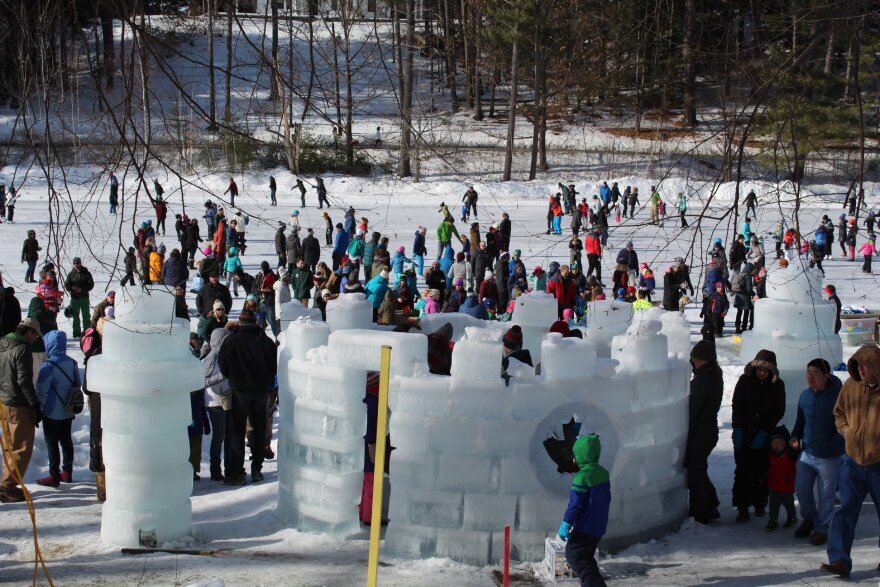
(794, 322)
(470, 456)
(322, 382)
(144, 376)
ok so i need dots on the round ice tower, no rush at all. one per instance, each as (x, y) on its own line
(794, 322)
(145, 376)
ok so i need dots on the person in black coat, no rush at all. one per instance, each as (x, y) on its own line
(294, 250)
(758, 405)
(707, 388)
(248, 358)
(191, 241)
(831, 292)
(10, 311)
(212, 290)
(311, 250)
(281, 245)
(504, 228)
(502, 266)
(482, 261)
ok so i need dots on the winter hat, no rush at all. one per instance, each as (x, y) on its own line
(513, 338)
(782, 433)
(110, 312)
(538, 270)
(843, 216)
(574, 265)
(264, 266)
(516, 253)
(489, 274)
(458, 281)
(717, 240)
(629, 243)
(621, 291)
(218, 305)
(338, 225)
(631, 289)
(820, 364)
(282, 271)
(504, 255)
(326, 292)
(718, 284)
(459, 257)
(310, 231)
(207, 251)
(32, 324)
(251, 298)
(110, 294)
(705, 351)
(642, 265)
(401, 249)
(560, 327)
(296, 213)
(383, 274)
(766, 356)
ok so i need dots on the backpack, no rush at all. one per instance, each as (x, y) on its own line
(738, 283)
(76, 400)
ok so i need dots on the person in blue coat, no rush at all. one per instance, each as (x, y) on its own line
(419, 250)
(445, 263)
(349, 222)
(821, 446)
(605, 193)
(397, 262)
(58, 378)
(746, 229)
(473, 307)
(375, 290)
(586, 518)
(340, 246)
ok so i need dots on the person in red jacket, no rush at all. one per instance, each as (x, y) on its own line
(780, 479)
(593, 247)
(562, 287)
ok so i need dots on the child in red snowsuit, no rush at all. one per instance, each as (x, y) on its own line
(780, 479)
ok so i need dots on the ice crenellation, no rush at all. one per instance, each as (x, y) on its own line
(145, 376)
(796, 323)
(469, 455)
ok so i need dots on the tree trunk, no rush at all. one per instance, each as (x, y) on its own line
(309, 90)
(338, 93)
(406, 92)
(275, 80)
(688, 50)
(478, 90)
(829, 52)
(143, 55)
(107, 35)
(536, 110)
(227, 110)
(212, 82)
(511, 114)
(465, 37)
(450, 56)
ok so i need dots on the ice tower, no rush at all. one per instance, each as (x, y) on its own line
(144, 376)
(469, 455)
(794, 322)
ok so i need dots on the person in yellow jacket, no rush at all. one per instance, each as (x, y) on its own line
(157, 260)
(857, 419)
(642, 303)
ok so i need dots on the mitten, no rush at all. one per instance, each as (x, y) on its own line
(564, 530)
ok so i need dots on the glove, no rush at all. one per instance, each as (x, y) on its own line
(737, 437)
(38, 416)
(564, 530)
(760, 439)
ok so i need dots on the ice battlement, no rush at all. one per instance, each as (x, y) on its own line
(470, 456)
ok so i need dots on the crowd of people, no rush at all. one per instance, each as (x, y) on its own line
(833, 444)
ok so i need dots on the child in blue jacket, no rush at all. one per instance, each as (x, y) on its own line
(56, 381)
(586, 518)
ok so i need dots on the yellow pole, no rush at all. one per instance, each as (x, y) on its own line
(379, 467)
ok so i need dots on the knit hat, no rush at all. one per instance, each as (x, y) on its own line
(383, 274)
(489, 274)
(718, 284)
(459, 257)
(32, 324)
(309, 230)
(629, 243)
(504, 255)
(282, 271)
(338, 225)
(820, 364)
(110, 294)
(458, 281)
(264, 266)
(621, 291)
(560, 327)
(326, 292)
(251, 298)
(401, 249)
(513, 338)
(207, 251)
(766, 356)
(517, 253)
(568, 314)
(218, 305)
(705, 351)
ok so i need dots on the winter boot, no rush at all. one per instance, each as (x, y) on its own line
(743, 515)
(11, 494)
(804, 530)
(67, 476)
(101, 485)
(50, 480)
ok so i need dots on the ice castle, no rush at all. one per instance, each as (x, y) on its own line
(469, 455)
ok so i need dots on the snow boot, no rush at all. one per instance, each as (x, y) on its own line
(804, 530)
(67, 476)
(743, 515)
(11, 494)
(771, 526)
(100, 486)
(818, 538)
(50, 480)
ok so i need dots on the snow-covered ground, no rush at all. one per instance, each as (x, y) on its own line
(254, 547)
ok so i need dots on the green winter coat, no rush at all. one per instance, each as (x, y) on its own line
(587, 450)
(356, 248)
(301, 282)
(445, 231)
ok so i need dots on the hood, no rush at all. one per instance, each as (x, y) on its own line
(471, 302)
(449, 254)
(218, 335)
(868, 356)
(774, 371)
(233, 251)
(56, 343)
(587, 450)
